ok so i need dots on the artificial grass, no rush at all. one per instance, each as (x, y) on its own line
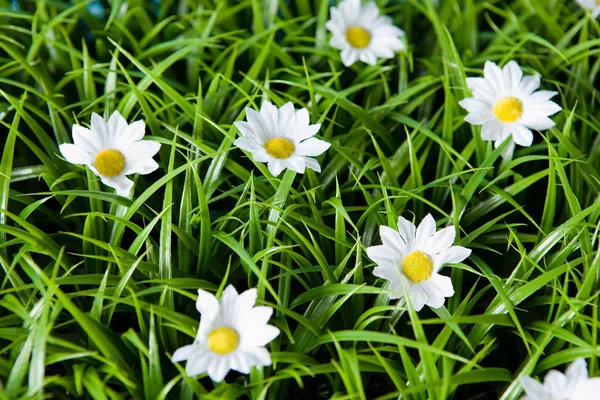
(98, 290)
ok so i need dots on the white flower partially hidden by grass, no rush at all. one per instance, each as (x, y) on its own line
(411, 257)
(362, 34)
(505, 102)
(283, 138)
(112, 150)
(574, 384)
(592, 5)
(232, 335)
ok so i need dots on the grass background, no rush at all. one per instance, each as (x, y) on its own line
(97, 291)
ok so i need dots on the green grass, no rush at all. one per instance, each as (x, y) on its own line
(97, 291)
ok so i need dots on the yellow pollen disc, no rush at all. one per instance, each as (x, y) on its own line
(279, 147)
(223, 340)
(110, 162)
(417, 266)
(358, 37)
(508, 109)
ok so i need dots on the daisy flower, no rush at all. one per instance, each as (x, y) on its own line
(281, 137)
(574, 384)
(592, 5)
(505, 102)
(411, 257)
(112, 149)
(232, 335)
(362, 34)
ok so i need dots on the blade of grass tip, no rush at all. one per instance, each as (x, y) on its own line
(165, 258)
(155, 372)
(277, 204)
(41, 331)
(107, 342)
(5, 173)
(185, 211)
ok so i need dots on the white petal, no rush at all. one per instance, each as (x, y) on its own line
(545, 108)
(116, 124)
(312, 164)
(240, 362)
(536, 121)
(349, 56)
(131, 134)
(198, 363)
(479, 118)
(392, 240)
(493, 74)
(286, 117)
(444, 283)
(512, 75)
(142, 166)
(246, 144)
(302, 118)
(577, 371)
(276, 167)
(75, 155)
(555, 382)
(491, 130)
(270, 115)
(418, 298)
(425, 229)
(218, 369)
(367, 57)
(85, 140)
(207, 305)
(302, 132)
(382, 255)
(441, 240)
(435, 297)
(246, 130)
(295, 164)
(184, 353)
(258, 124)
(453, 255)
(259, 336)
(471, 104)
(541, 96)
(100, 131)
(407, 230)
(121, 183)
(312, 147)
(522, 136)
(260, 355)
(482, 89)
(533, 388)
(529, 84)
(227, 306)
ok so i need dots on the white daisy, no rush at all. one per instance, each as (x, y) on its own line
(232, 335)
(362, 34)
(574, 384)
(281, 137)
(112, 150)
(592, 5)
(505, 102)
(411, 257)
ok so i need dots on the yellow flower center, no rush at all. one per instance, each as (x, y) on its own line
(279, 147)
(110, 162)
(223, 340)
(417, 266)
(508, 109)
(358, 37)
